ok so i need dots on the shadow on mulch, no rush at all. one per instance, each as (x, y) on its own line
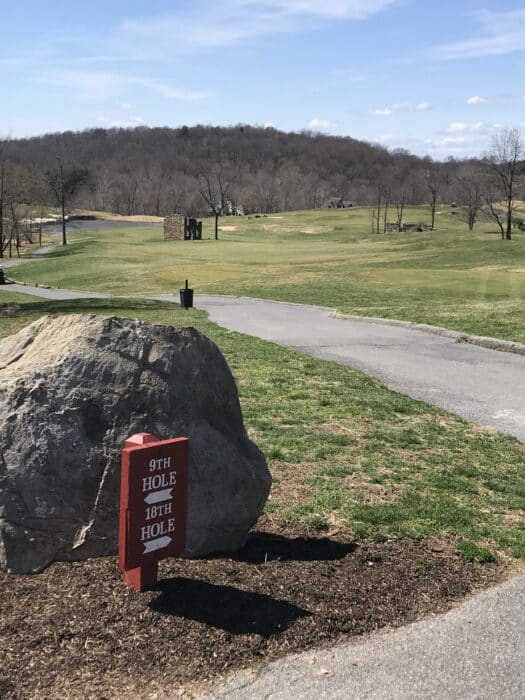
(254, 613)
(262, 547)
(213, 605)
(76, 631)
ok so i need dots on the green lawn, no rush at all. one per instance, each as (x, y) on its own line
(473, 282)
(345, 452)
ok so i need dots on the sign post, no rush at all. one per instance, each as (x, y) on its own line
(153, 506)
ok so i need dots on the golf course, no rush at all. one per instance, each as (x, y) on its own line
(346, 453)
(451, 277)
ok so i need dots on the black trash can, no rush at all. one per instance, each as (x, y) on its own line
(2, 276)
(186, 297)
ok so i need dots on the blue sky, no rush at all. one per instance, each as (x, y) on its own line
(434, 77)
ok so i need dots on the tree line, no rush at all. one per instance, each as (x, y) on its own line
(206, 170)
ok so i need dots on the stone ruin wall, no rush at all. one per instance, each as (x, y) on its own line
(174, 228)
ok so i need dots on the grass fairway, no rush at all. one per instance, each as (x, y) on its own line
(346, 453)
(472, 282)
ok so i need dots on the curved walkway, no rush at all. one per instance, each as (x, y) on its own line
(476, 383)
(475, 651)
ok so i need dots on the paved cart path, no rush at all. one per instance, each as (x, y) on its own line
(481, 385)
(476, 651)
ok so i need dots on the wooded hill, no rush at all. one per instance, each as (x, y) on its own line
(161, 170)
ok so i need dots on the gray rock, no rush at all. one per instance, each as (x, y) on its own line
(72, 389)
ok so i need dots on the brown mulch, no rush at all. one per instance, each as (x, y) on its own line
(76, 631)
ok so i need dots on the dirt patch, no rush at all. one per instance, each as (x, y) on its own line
(489, 268)
(291, 486)
(371, 492)
(75, 631)
(227, 228)
(513, 518)
(107, 216)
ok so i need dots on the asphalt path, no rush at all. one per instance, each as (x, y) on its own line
(475, 651)
(480, 385)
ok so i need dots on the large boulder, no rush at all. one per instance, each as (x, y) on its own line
(72, 389)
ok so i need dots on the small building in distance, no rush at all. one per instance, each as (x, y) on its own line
(338, 203)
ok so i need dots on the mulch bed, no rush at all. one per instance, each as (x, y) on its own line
(76, 631)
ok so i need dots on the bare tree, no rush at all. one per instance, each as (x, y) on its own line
(3, 188)
(10, 206)
(214, 188)
(493, 211)
(386, 194)
(65, 184)
(432, 181)
(505, 156)
(272, 170)
(400, 197)
(373, 219)
(471, 190)
(379, 202)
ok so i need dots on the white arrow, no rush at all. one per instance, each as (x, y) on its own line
(158, 496)
(153, 545)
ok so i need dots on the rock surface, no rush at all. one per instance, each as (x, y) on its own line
(72, 389)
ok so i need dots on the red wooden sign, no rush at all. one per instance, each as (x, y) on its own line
(153, 506)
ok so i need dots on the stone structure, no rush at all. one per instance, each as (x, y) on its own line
(73, 389)
(174, 227)
(394, 227)
(178, 228)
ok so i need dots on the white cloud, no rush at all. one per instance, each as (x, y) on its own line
(108, 123)
(88, 84)
(209, 24)
(501, 33)
(443, 145)
(103, 84)
(170, 91)
(269, 125)
(401, 107)
(339, 9)
(384, 138)
(455, 127)
(476, 100)
(383, 112)
(452, 139)
(319, 124)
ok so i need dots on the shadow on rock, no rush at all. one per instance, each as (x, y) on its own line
(225, 607)
(264, 547)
